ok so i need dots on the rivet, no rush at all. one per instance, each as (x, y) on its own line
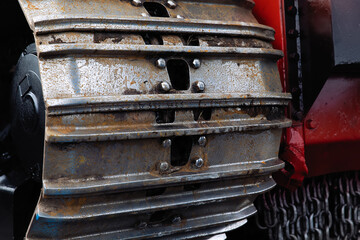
(202, 141)
(171, 4)
(199, 86)
(176, 219)
(145, 15)
(136, 3)
(311, 124)
(161, 63)
(166, 143)
(164, 87)
(199, 162)
(163, 166)
(179, 16)
(196, 63)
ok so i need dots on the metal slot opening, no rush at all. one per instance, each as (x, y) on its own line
(159, 217)
(152, 39)
(165, 116)
(155, 192)
(192, 187)
(190, 40)
(156, 9)
(178, 71)
(180, 150)
(202, 114)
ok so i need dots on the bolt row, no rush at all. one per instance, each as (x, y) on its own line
(201, 141)
(198, 163)
(161, 63)
(165, 87)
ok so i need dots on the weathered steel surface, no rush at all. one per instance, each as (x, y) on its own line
(133, 151)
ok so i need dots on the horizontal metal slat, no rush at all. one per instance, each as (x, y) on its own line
(72, 134)
(53, 208)
(127, 182)
(162, 101)
(150, 50)
(49, 24)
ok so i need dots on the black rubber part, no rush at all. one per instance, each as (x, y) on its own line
(28, 113)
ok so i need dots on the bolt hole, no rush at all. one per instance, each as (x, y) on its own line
(155, 192)
(180, 150)
(165, 116)
(202, 114)
(178, 71)
(156, 9)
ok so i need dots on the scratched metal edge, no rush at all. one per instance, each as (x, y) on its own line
(50, 19)
(65, 22)
(122, 183)
(51, 24)
(161, 231)
(125, 49)
(205, 222)
(87, 134)
(73, 105)
(158, 203)
(208, 232)
(202, 234)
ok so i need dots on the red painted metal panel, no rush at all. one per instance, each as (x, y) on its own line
(271, 13)
(332, 127)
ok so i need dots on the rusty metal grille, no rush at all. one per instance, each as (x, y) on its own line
(163, 118)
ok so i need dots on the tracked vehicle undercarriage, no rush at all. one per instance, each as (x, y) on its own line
(160, 119)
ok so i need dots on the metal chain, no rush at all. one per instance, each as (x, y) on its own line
(326, 207)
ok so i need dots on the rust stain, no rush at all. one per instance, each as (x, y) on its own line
(31, 6)
(70, 207)
(65, 130)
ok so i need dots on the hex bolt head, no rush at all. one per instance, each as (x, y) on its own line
(199, 163)
(161, 63)
(171, 4)
(164, 87)
(163, 166)
(202, 141)
(166, 143)
(196, 63)
(199, 86)
(176, 219)
(136, 3)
